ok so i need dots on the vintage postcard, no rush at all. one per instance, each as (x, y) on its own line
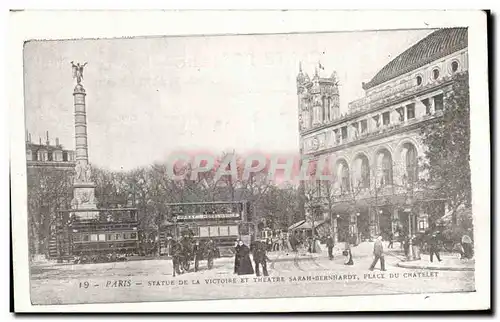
(305, 168)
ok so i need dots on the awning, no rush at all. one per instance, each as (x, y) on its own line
(447, 218)
(297, 224)
(306, 225)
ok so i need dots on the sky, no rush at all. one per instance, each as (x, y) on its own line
(149, 97)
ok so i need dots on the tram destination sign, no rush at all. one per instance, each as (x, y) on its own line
(207, 216)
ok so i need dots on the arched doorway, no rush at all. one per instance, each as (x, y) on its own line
(361, 172)
(343, 176)
(384, 173)
(409, 157)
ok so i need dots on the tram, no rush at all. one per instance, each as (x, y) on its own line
(97, 233)
(222, 221)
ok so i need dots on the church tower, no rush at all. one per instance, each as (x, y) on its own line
(318, 99)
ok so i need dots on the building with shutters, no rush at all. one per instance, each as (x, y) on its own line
(48, 155)
(50, 169)
(374, 148)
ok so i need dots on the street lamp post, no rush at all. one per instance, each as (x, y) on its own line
(410, 230)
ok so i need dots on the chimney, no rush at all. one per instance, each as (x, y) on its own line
(40, 140)
(29, 137)
(48, 142)
(57, 141)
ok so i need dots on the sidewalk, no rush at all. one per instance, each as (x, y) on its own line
(448, 263)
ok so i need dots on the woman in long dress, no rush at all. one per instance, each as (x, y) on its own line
(236, 256)
(245, 265)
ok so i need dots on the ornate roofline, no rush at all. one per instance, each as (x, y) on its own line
(458, 42)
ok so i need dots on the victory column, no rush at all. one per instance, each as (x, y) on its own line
(83, 187)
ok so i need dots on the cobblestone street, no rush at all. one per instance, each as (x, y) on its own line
(298, 274)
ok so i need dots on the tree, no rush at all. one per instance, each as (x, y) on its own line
(448, 142)
(49, 190)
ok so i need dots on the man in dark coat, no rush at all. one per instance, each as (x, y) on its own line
(434, 247)
(236, 256)
(260, 258)
(391, 240)
(176, 257)
(330, 243)
(198, 254)
(245, 264)
(210, 252)
(378, 253)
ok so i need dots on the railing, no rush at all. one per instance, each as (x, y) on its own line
(368, 102)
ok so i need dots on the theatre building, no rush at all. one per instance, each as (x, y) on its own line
(374, 148)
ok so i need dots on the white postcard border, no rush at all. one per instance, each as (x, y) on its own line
(102, 24)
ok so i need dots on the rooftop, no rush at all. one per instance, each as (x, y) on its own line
(438, 44)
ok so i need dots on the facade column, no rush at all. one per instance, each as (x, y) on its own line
(432, 105)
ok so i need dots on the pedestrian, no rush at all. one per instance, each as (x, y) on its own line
(169, 246)
(348, 255)
(434, 247)
(236, 254)
(244, 265)
(391, 240)
(406, 245)
(270, 244)
(176, 257)
(260, 259)
(198, 254)
(210, 251)
(276, 243)
(378, 254)
(467, 246)
(330, 243)
(416, 244)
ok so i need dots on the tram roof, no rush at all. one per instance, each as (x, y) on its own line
(205, 203)
(98, 209)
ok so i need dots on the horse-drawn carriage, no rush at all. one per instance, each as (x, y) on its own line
(188, 251)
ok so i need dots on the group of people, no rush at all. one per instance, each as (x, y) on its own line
(278, 243)
(242, 262)
(347, 253)
(185, 250)
(433, 242)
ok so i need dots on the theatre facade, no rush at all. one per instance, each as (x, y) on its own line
(375, 148)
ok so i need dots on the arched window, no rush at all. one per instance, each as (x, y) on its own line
(419, 80)
(343, 174)
(411, 162)
(435, 73)
(385, 166)
(362, 172)
(365, 173)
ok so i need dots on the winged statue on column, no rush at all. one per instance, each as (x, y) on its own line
(78, 71)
